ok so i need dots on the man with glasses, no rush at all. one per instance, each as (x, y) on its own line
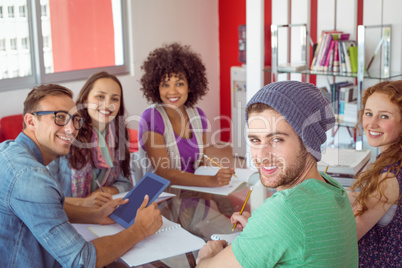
(35, 222)
(61, 118)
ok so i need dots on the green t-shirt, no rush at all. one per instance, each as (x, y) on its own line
(309, 225)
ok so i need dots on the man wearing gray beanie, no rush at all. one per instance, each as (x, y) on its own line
(309, 220)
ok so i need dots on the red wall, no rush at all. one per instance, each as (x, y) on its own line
(232, 13)
(81, 39)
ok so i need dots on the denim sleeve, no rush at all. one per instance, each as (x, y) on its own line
(61, 171)
(38, 201)
(122, 183)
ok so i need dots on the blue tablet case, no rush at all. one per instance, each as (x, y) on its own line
(151, 185)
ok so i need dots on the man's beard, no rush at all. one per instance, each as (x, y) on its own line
(292, 171)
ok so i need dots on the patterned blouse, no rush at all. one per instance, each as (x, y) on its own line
(382, 246)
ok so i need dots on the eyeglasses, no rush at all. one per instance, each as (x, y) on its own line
(61, 118)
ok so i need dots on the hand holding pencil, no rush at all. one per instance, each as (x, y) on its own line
(236, 216)
(223, 176)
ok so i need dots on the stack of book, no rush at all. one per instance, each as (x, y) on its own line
(351, 112)
(344, 164)
(335, 53)
(343, 93)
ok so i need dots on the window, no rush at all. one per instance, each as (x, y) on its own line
(43, 10)
(22, 10)
(46, 42)
(24, 43)
(2, 44)
(11, 12)
(13, 43)
(65, 50)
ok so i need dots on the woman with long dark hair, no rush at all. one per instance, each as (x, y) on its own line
(98, 165)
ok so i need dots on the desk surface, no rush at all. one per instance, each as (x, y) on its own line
(183, 260)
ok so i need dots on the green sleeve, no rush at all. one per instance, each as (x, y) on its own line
(273, 235)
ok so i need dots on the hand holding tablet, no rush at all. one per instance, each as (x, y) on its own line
(151, 185)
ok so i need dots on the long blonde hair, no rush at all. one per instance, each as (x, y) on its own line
(369, 181)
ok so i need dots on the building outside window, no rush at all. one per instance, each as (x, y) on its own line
(66, 50)
(13, 43)
(3, 44)
(43, 9)
(24, 43)
(10, 11)
(22, 11)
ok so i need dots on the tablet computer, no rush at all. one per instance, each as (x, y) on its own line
(151, 185)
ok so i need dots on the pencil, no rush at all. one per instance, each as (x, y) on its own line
(216, 163)
(326, 169)
(244, 205)
(100, 186)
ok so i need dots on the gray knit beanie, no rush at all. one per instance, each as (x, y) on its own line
(303, 106)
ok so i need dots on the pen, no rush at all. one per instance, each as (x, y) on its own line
(234, 175)
(244, 205)
(100, 186)
(326, 169)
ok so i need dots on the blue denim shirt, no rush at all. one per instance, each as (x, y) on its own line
(61, 170)
(35, 230)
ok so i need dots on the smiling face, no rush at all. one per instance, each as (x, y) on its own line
(174, 91)
(382, 121)
(103, 102)
(54, 140)
(276, 149)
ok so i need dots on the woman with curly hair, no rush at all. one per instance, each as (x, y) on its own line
(375, 195)
(172, 132)
(99, 155)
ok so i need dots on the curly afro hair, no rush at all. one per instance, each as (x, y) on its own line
(174, 59)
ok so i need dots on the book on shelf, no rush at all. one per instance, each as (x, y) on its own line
(169, 241)
(346, 44)
(322, 42)
(324, 54)
(343, 96)
(335, 87)
(325, 51)
(342, 63)
(375, 53)
(329, 58)
(353, 58)
(351, 112)
(332, 63)
(245, 176)
(343, 162)
(335, 66)
(291, 67)
(386, 51)
(316, 52)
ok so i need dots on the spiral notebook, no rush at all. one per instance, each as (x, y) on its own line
(170, 240)
(228, 237)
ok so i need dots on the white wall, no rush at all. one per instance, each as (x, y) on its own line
(152, 23)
